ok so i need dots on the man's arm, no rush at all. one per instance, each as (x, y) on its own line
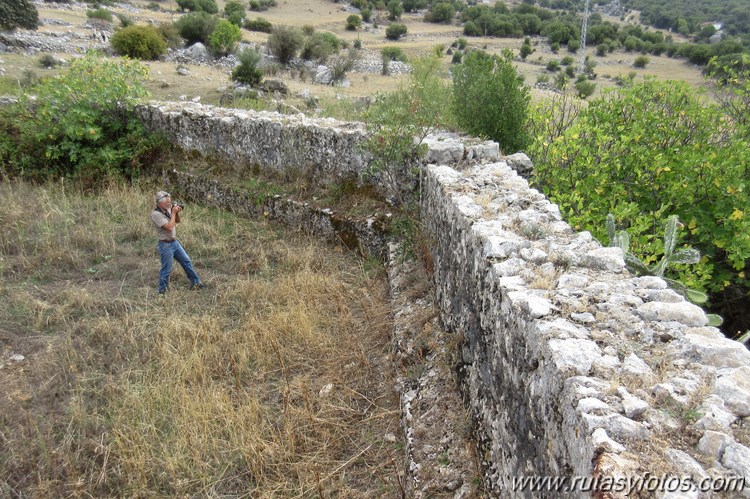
(174, 220)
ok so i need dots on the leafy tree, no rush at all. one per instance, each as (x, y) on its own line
(666, 153)
(395, 9)
(490, 99)
(585, 88)
(17, 14)
(139, 42)
(441, 12)
(353, 22)
(224, 37)
(247, 71)
(208, 6)
(526, 50)
(196, 27)
(285, 42)
(80, 124)
(320, 46)
(234, 11)
(393, 54)
(395, 31)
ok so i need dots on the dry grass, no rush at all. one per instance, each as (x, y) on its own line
(212, 393)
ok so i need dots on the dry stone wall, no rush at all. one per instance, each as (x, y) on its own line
(570, 365)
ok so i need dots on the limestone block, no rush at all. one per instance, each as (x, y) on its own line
(618, 426)
(632, 405)
(737, 458)
(634, 366)
(715, 416)
(608, 259)
(716, 351)
(684, 312)
(733, 387)
(592, 405)
(686, 464)
(603, 443)
(574, 354)
(662, 295)
(443, 152)
(713, 443)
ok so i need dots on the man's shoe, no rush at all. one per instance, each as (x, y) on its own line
(197, 285)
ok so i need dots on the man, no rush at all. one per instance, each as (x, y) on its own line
(165, 218)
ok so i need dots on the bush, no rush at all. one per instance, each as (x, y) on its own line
(366, 15)
(585, 89)
(48, 61)
(673, 155)
(320, 46)
(393, 54)
(139, 42)
(395, 9)
(259, 24)
(553, 65)
(247, 72)
(641, 61)
(261, 5)
(196, 27)
(526, 51)
(80, 124)
(395, 31)
(224, 37)
(442, 12)
(207, 6)
(353, 22)
(18, 14)
(573, 46)
(102, 14)
(490, 99)
(170, 34)
(457, 57)
(285, 42)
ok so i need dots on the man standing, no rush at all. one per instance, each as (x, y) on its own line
(165, 218)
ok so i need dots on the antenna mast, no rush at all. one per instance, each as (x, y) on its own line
(584, 32)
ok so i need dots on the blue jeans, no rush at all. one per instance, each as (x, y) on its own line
(174, 251)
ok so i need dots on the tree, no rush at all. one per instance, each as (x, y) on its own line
(353, 22)
(196, 27)
(208, 6)
(490, 99)
(224, 38)
(139, 42)
(248, 72)
(234, 11)
(285, 42)
(17, 14)
(395, 31)
(442, 12)
(395, 9)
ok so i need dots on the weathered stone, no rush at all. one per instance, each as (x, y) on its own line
(713, 443)
(712, 350)
(733, 386)
(737, 458)
(634, 366)
(273, 85)
(609, 259)
(603, 443)
(618, 426)
(715, 416)
(584, 318)
(633, 406)
(684, 312)
(686, 463)
(574, 354)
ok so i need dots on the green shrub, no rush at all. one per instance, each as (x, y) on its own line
(48, 61)
(641, 61)
(18, 14)
(526, 51)
(170, 34)
(585, 89)
(353, 22)
(462, 43)
(80, 123)
(395, 9)
(666, 153)
(153, 6)
(320, 46)
(139, 42)
(457, 57)
(395, 31)
(573, 46)
(261, 5)
(207, 6)
(224, 37)
(442, 12)
(553, 65)
(366, 15)
(247, 72)
(567, 61)
(259, 24)
(196, 27)
(393, 54)
(102, 14)
(235, 9)
(125, 21)
(285, 42)
(490, 99)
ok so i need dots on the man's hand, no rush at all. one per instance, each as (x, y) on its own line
(176, 208)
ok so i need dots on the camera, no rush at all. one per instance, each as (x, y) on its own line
(182, 206)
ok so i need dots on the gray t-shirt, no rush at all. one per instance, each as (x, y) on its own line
(159, 219)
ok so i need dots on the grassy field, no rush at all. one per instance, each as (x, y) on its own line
(275, 381)
(208, 82)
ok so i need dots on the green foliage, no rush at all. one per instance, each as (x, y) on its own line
(441, 12)
(395, 31)
(731, 78)
(457, 57)
(247, 72)
(261, 5)
(139, 42)
(234, 7)
(170, 34)
(585, 89)
(285, 42)
(398, 123)
(393, 54)
(259, 24)
(196, 27)
(641, 61)
(224, 37)
(320, 46)
(125, 21)
(17, 14)
(207, 6)
(353, 22)
(102, 14)
(490, 99)
(526, 51)
(648, 150)
(80, 123)
(395, 9)
(48, 61)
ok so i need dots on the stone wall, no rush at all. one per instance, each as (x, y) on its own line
(570, 365)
